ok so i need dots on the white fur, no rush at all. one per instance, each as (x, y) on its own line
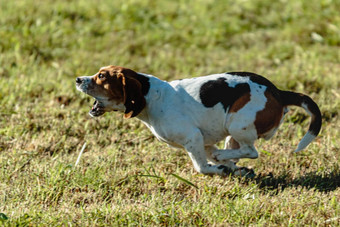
(307, 139)
(175, 114)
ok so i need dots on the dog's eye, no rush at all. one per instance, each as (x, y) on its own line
(101, 76)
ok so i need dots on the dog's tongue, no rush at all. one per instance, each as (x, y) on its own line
(96, 110)
(94, 105)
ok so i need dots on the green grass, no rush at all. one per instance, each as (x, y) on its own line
(126, 176)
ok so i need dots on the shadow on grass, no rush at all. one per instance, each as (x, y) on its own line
(324, 182)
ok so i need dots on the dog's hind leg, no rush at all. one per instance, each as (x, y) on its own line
(231, 143)
(245, 151)
(210, 150)
(239, 145)
(194, 145)
(223, 157)
(240, 142)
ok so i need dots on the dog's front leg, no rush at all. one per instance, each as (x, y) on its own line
(195, 148)
(230, 163)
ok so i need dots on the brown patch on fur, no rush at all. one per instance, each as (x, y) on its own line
(240, 102)
(270, 116)
(108, 82)
(121, 85)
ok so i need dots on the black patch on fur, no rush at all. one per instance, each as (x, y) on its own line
(218, 91)
(145, 83)
(259, 80)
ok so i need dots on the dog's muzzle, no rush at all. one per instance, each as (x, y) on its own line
(84, 84)
(79, 84)
(97, 108)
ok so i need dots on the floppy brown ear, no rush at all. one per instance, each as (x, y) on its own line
(134, 100)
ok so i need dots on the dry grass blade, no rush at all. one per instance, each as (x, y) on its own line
(80, 154)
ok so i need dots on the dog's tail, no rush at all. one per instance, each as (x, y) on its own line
(304, 101)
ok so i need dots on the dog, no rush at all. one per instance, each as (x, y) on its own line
(196, 113)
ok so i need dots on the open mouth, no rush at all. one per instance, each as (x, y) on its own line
(97, 109)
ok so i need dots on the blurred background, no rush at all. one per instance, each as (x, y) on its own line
(46, 44)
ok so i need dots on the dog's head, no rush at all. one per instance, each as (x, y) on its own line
(114, 88)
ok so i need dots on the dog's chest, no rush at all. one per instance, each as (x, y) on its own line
(166, 134)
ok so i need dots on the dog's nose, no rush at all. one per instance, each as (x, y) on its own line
(78, 80)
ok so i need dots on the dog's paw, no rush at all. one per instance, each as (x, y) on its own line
(226, 171)
(245, 172)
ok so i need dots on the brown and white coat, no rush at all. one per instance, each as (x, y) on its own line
(196, 113)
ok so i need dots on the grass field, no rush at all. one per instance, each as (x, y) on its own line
(126, 176)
